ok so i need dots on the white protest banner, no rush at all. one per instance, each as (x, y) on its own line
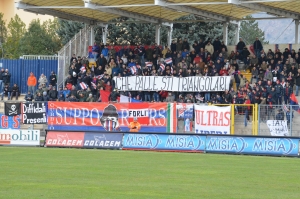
(278, 127)
(168, 83)
(212, 119)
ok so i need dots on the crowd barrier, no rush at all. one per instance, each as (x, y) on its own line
(144, 117)
(153, 117)
(225, 144)
(221, 119)
(279, 120)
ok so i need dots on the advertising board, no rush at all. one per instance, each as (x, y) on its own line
(164, 142)
(19, 137)
(84, 140)
(64, 139)
(103, 140)
(252, 145)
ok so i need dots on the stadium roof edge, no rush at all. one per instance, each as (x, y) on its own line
(159, 11)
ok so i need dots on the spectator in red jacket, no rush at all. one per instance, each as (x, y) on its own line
(108, 87)
(163, 95)
(247, 110)
(223, 72)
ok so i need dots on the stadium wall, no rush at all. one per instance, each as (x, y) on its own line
(21, 68)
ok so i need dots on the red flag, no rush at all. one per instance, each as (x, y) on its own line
(294, 103)
(104, 95)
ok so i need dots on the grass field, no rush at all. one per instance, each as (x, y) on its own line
(80, 173)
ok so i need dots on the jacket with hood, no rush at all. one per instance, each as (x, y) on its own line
(31, 81)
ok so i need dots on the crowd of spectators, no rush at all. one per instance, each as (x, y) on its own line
(47, 88)
(5, 88)
(273, 73)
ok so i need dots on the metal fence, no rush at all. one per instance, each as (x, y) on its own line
(243, 118)
(260, 121)
(21, 68)
(40, 57)
(78, 45)
(268, 115)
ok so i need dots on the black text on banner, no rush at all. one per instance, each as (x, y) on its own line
(175, 84)
(34, 113)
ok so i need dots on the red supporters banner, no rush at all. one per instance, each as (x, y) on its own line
(82, 116)
(65, 139)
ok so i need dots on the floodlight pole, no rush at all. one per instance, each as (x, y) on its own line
(157, 33)
(170, 32)
(225, 33)
(237, 34)
(92, 40)
(104, 33)
(296, 31)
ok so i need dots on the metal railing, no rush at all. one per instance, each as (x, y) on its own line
(243, 123)
(259, 120)
(41, 57)
(78, 45)
(270, 116)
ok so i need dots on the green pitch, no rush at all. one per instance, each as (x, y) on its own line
(81, 173)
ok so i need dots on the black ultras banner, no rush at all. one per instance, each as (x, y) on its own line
(12, 109)
(34, 113)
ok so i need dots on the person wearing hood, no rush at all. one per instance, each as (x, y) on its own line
(134, 126)
(66, 93)
(61, 98)
(95, 50)
(38, 98)
(43, 79)
(53, 94)
(6, 92)
(60, 90)
(90, 98)
(39, 90)
(209, 48)
(257, 47)
(29, 96)
(45, 96)
(31, 82)
(105, 52)
(53, 79)
(15, 91)
(6, 77)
